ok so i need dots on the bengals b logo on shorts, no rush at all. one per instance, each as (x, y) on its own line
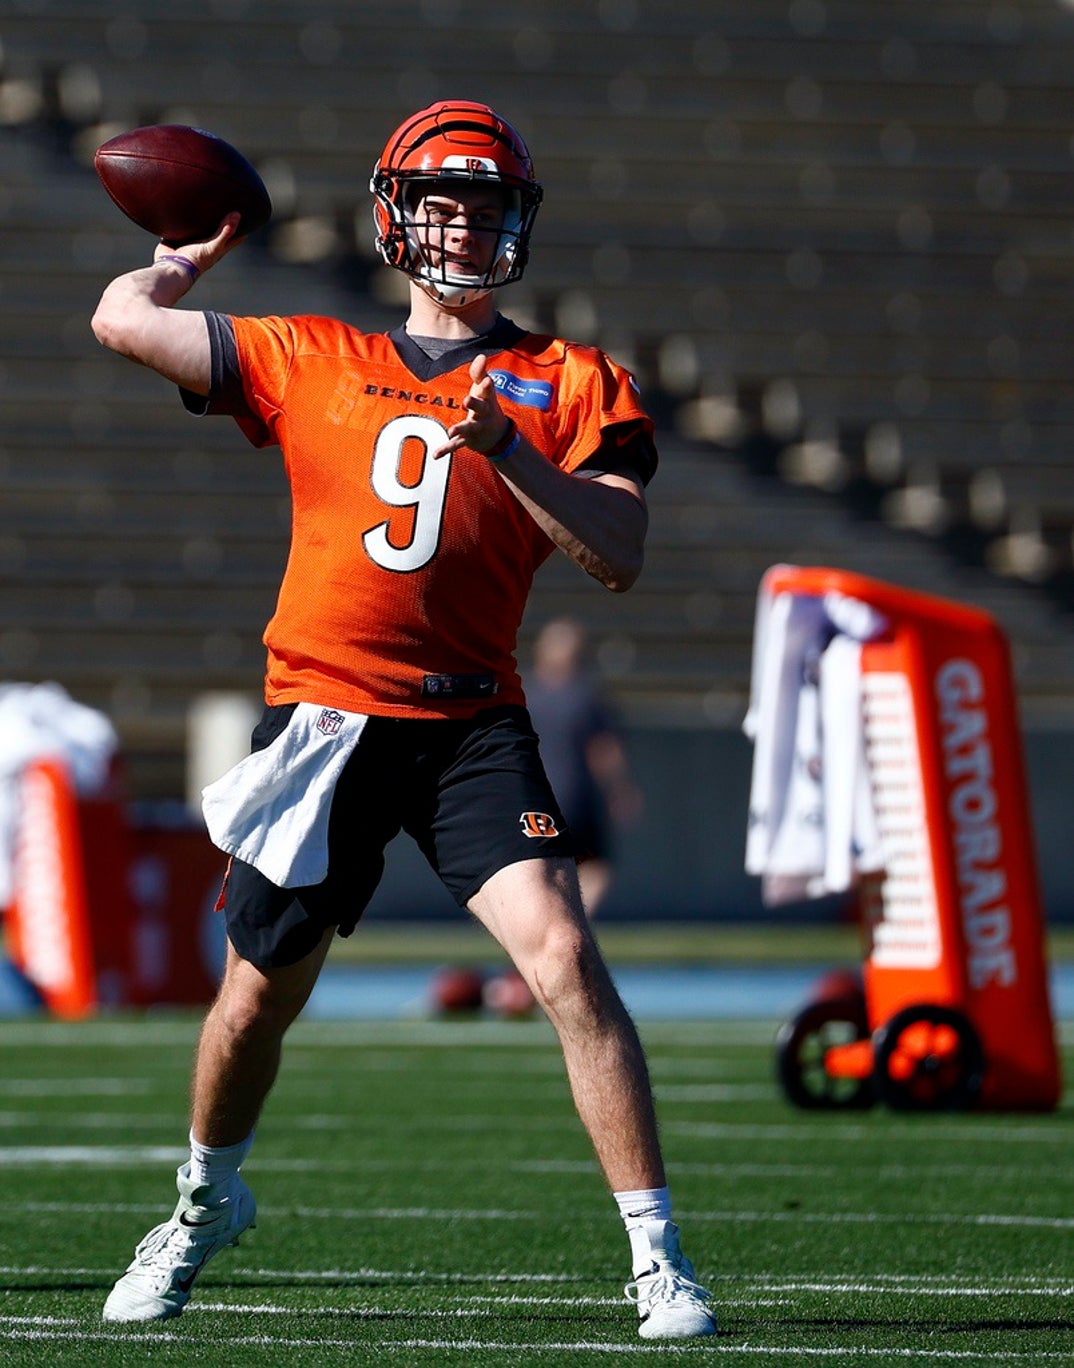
(538, 824)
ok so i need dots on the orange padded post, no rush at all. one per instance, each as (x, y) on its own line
(48, 922)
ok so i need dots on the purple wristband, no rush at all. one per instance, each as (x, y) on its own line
(182, 261)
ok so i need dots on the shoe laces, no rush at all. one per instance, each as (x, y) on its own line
(665, 1282)
(162, 1253)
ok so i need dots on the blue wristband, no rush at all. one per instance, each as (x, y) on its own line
(506, 445)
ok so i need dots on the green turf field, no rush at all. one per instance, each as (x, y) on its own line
(427, 1198)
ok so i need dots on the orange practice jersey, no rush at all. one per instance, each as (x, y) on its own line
(405, 565)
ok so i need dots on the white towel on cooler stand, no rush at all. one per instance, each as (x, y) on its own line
(811, 826)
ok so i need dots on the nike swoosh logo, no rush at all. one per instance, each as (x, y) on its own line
(184, 1219)
(185, 1284)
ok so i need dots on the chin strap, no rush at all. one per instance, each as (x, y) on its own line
(461, 298)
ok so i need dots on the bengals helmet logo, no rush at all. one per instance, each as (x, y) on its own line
(538, 824)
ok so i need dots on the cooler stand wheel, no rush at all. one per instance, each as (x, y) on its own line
(801, 1047)
(928, 1059)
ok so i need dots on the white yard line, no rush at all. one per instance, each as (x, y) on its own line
(127, 1121)
(75, 1087)
(107, 1156)
(273, 1309)
(38, 1320)
(77, 1119)
(902, 1284)
(797, 1132)
(741, 1285)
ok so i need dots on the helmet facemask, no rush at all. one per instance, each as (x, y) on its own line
(415, 242)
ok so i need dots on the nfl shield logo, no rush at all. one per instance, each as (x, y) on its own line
(330, 722)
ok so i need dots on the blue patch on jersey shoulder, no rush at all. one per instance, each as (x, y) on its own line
(530, 393)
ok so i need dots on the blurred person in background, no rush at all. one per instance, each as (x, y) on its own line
(584, 753)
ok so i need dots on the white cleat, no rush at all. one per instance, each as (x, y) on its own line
(671, 1303)
(158, 1283)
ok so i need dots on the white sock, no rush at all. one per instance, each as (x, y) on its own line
(637, 1207)
(215, 1166)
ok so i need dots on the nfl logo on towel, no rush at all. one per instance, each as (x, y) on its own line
(330, 722)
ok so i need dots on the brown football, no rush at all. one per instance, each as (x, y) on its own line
(179, 183)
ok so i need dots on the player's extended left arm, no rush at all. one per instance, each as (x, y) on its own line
(600, 522)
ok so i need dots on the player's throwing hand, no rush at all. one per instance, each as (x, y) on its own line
(204, 255)
(485, 423)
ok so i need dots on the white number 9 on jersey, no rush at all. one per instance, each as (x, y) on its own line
(426, 497)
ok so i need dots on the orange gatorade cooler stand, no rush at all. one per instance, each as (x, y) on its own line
(106, 914)
(953, 1005)
(68, 927)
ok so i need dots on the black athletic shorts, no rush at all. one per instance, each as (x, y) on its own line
(471, 792)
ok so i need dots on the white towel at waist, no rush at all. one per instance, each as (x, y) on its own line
(272, 808)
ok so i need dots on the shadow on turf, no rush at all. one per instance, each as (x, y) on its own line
(924, 1327)
(15, 1284)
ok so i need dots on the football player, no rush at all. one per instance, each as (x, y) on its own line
(432, 470)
